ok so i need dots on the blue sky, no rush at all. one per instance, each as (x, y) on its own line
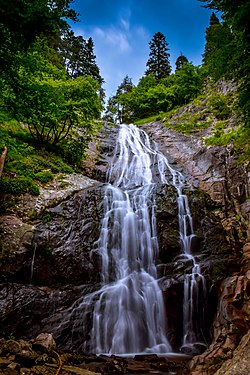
(122, 29)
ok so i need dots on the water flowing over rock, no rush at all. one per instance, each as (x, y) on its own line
(60, 269)
(215, 171)
(129, 316)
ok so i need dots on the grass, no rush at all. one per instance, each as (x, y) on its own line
(27, 165)
(185, 122)
(239, 137)
(213, 111)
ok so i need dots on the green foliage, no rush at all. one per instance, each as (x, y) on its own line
(186, 83)
(47, 218)
(50, 104)
(44, 176)
(122, 101)
(28, 19)
(220, 106)
(35, 86)
(186, 123)
(55, 107)
(158, 63)
(180, 61)
(78, 56)
(220, 51)
(34, 189)
(25, 164)
(152, 96)
(222, 136)
(239, 137)
(227, 48)
(18, 185)
(46, 250)
(73, 149)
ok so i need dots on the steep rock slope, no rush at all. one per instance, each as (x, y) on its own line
(47, 241)
(215, 171)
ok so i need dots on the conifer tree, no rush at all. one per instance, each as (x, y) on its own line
(236, 15)
(180, 61)
(122, 100)
(91, 67)
(219, 53)
(214, 20)
(125, 86)
(158, 63)
(78, 56)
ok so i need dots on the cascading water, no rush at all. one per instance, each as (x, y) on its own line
(194, 281)
(129, 316)
(127, 312)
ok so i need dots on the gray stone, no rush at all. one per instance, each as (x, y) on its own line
(44, 341)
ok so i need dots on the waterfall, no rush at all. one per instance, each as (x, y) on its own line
(33, 264)
(129, 316)
(194, 281)
(127, 313)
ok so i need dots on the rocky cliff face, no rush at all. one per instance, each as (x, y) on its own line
(48, 258)
(215, 171)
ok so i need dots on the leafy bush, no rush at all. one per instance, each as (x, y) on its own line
(73, 149)
(18, 185)
(44, 176)
(220, 107)
(46, 218)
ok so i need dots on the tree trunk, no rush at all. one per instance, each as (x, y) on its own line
(2, 160)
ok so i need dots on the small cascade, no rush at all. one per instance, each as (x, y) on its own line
(127, 313)
(32, 264)
(194, 282)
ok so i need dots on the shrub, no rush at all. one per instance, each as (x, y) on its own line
(44, 176)
(220, 107)
(18, 185)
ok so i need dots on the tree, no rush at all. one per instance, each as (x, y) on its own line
(236, 15)
(27, 19)
(111, 110)
(122, 99)
(78, 56)
(180, 61)
(140, 105)
(186, 84)
(158, 63)
(23, 21)
(214, 20)
(220, 49)
(91, 67)
(48, 102)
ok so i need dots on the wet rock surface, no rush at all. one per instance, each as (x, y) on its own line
(239, 363)
(27, 357)
(48, 258)
(100, 153)
(212, 169)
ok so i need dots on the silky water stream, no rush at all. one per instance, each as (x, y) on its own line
(127, 313)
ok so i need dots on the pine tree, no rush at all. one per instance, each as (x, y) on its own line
(180, 61)
(214, 20)
(78, 56)
(158, 63)
(91, 67)
(125, 86)
(122, 99)
(220, 47)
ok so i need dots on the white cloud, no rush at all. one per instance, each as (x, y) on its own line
(142, 32)
(120, 50)
(125, 24)
(113, 37)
